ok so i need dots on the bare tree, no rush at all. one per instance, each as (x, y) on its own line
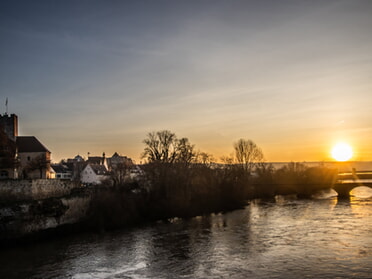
(204, 158)
(228, 160)
(248, 154)
(120, 171)
(164, 147)
(160, 147)
(185, 151)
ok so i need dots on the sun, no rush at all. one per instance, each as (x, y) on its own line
(342, 152)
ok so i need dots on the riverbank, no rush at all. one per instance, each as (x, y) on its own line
(42, 208)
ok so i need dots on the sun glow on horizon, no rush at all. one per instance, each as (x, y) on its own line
(342, 152)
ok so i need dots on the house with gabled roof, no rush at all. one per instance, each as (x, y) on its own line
(94, 174)
(117, 160)
(34, 158)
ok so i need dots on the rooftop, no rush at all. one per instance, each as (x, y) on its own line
(30, 144)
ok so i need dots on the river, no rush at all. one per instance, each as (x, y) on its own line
(286, 238)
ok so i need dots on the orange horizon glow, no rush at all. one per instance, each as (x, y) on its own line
(300, 153)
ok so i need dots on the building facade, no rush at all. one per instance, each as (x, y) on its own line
(21, 156)
(94, 174)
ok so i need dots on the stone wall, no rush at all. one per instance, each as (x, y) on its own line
(19, 190)
(31, 217)
(32, 206)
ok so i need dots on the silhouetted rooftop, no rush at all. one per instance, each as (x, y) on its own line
(30, 144)
(59, 168)
(95, 160)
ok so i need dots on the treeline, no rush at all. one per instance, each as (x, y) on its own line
(178, 181)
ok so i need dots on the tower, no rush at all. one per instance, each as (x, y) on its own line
(9, 123)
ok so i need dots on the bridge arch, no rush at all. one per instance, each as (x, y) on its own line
(344, 189)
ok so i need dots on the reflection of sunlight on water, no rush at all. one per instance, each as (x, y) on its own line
(107, 273)
(325, 194)
(329, 195)
(361, 192)
(283, 199)
(360, 197)
(332, 202)
(361, 206)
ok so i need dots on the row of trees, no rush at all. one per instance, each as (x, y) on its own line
(165, 147)
(185, 181)
(179, 181)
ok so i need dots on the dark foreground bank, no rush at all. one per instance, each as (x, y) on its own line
(161, 192)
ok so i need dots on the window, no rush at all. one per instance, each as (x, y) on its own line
(28, 158)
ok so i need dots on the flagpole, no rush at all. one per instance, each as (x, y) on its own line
(6, 106)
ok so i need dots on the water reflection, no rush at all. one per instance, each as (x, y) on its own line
(325, 194)
(361, 192)
(286, 238)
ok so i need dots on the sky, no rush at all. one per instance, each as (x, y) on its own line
(97, 76)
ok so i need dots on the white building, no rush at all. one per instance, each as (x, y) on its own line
(94, 174)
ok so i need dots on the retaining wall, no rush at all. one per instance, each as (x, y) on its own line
(32, 206)
(36, 189)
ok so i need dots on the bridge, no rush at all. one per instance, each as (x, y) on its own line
(348, 181)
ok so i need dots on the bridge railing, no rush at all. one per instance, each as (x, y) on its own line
(355, 177)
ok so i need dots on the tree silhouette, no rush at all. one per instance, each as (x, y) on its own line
(120, 171)
(164, 147)
(185, 151)
(160, 147)
(248, 154)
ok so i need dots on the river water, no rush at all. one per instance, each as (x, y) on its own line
(286, 238)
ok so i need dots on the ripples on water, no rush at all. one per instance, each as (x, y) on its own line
(288, 238)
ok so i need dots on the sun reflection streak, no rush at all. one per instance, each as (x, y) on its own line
(360, 197)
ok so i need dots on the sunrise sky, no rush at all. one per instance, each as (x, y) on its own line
(96, 76)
